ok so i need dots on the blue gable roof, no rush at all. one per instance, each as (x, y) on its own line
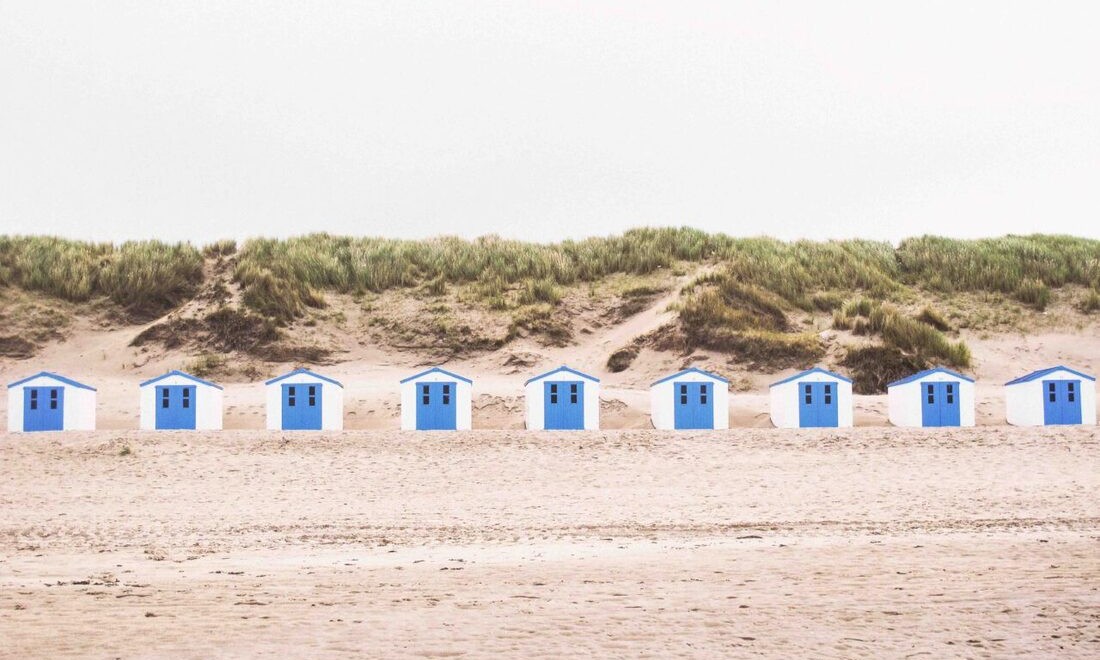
(50, 374)
(927, 372)
(688, 371)
(303, 371)
(562, 368)
(439, 371)
(808, 372)
(176, 372)
(1044, 372)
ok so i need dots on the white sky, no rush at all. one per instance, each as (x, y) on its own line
(544, 120)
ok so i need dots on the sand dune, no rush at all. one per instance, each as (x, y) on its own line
(864, 543)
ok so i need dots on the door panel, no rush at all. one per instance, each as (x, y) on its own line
(940, 404)
(693, 404)
(175, 407)
(43, 408)
(436, 407)
(950, 406)
(817, 405)
(1062, 402)
(563, 405)
(302, 407)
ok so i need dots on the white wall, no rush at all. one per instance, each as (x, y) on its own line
(332, 402)
(208, 404)
(784, 400)
(534, 392)
(662, 400)
(906, 404)
(80, 405)
(1024, 401)
(463, 400)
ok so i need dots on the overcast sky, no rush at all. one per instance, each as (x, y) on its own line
(545, 120)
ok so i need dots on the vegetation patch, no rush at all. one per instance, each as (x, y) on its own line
(931, 317)
(874, 367)
(549, 327)
(621, 359)
(911, 336)
(1090, 302)
(223, 330)
(207, 365)
(12, 346)
(747, 322)
(144, 278)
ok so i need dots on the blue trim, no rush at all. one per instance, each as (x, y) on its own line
(176, 372)
(50, 374)
(560, 369)
(928, 372)
(437, 370)
(1035, 375)
(303, 371)
(690, 370)
(818, 370)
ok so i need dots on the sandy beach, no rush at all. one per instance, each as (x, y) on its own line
(863, 543)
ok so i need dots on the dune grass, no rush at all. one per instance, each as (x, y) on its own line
(1023, 266)
(283, 278)
(145, 278)
(1090, 302)
(921, 337)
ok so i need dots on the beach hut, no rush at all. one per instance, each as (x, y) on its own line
(49, 402)
(180, 401)
(813, 398)
(304, 401)
(436, 400)
(563, 399)
(935, 397)
(690, 399)
(1058, 395)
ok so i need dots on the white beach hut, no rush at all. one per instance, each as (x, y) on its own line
(1055, 396)
(563, 399)
(934, 397)
(304, 401)
(180, 401)
(436, 400)
(49, 402)
(813, 398)
(690, 399)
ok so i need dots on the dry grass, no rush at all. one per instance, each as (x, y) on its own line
(922, 337)
(145, 278)
(759, 282)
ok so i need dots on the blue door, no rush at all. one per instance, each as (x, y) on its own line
(302, 407)
(43, 408)
(1062, 401)
(175, 407)
(563, 405)
(940, 404)
(435, 407)
(694, 405)
(817, 405)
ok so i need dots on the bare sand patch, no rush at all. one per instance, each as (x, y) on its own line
(868, 542)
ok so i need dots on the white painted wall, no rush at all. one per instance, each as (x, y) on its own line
(208, 404)
(662, 400)
(80, 405)
(533, 392)
(906, 405)
(332, 402)
(1024, 401)
(784, 400)
(463, 400)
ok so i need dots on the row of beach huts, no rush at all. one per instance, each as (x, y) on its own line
(562, 399)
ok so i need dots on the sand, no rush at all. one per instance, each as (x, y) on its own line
(869, 542)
